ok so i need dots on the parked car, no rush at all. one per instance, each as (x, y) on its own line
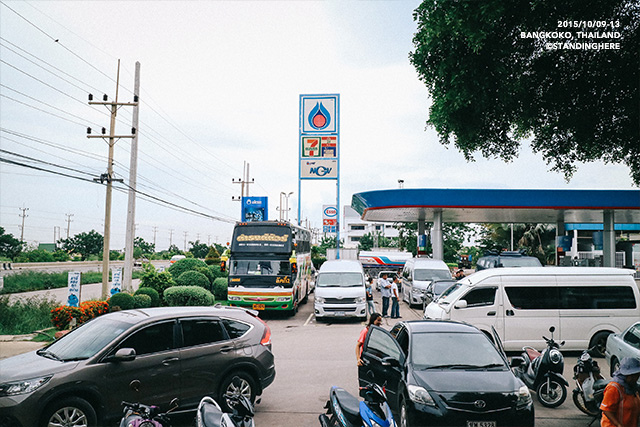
(507, 259)
(444, 373)
(390, 276)
(624, 344)
(185, 352)
(416, 276)
(176, 258)
(340, 290)
(435, 289)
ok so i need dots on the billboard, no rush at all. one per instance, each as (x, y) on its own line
(329, 219)
(318, 168)
(254, 209)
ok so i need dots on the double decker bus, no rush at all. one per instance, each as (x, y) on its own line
(269, 266)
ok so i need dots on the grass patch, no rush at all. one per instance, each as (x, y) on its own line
(39, 281)
(25, 317)
(46, 335)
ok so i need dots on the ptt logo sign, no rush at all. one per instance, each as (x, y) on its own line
(319, 113)
(319, 169)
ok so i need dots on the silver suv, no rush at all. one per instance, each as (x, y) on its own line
(183, 352)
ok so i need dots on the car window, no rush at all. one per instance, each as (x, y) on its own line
(234, 328)
(381, 344)
(632, 337)
(428, 275)
(151, 339)
(87, 340)
(202, 331)
(533, 297)
(339, 280)
(450, 348)
(480, 297)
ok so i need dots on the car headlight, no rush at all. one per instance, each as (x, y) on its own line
(361, 300)
(524, 397)
(22, 387)
(555, 356)
(233, 298)
(420, 395)
(283, 299)
(320, 300)
(417, 291)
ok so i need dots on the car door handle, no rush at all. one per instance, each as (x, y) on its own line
(169, 361)
(491, 313)
(226, 349)
(510, 313)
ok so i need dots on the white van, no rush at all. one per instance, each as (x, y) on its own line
(340, 290)
(417, 274)
(585, 304)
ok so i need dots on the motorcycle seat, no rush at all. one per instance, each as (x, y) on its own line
(532, 353)
(211, 415)
(349, 404)
(600, 384)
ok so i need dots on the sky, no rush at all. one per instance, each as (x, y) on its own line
(220, 86)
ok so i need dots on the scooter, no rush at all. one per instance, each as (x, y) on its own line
(542, 372)
(345, 410)
(209, 413)
(590, 385)
(140, 415)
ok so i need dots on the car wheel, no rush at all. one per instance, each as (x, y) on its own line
(236, 384)
(404, 414)
(70, 412)
(615, 365)
(599, 341)
(551, 393)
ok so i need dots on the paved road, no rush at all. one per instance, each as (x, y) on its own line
(312, 356)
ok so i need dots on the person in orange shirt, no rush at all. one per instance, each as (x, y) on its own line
(375, 319)
(621, 402)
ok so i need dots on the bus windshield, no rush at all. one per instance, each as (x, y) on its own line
(250, 267)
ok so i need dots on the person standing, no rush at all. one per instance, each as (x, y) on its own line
(374, 319)
(621, 402)
(395, 302)
(369, 290)
(385, 290)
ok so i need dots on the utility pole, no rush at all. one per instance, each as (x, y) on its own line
(185, 240)
(127, 272)
(108, 177)
(56, 232)
(155, 230)
(209, 240)
(244, 182)
(69, 215)
(23, 215)
(170, 237)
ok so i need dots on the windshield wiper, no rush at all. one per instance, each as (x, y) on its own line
(74, 359)
(48, 355)
(490, 365)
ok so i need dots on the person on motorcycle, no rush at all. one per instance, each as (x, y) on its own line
(621, 403)
(374, 319)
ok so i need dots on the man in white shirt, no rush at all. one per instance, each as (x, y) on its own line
(385, 290)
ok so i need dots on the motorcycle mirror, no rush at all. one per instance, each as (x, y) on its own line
(562, 343)
(175, 402)
(135, 385)
(552, 329)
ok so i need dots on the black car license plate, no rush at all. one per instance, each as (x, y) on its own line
(481, 424)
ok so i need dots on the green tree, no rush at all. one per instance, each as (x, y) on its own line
(199, 250)
(366, 242)
(86, 244)
(491, 88)
(145, 247)
(535, 239)
(10, 247)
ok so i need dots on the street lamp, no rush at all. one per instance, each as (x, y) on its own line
(286, 209)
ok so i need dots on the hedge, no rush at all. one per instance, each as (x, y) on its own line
(152, 293)
(178, 296)
(87, 310)
(220, 288)
(183, 265)
(141, 301)
(193, 278)
(123, 300)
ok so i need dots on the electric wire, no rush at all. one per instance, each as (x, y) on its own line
(45, 162)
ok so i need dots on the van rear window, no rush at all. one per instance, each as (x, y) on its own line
(571, 297)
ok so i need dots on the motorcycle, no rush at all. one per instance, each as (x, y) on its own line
(209, 413)
(345, 410)
(590, 385)
(542, 372)
(141, 415)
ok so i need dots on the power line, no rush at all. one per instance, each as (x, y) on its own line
(46, 163)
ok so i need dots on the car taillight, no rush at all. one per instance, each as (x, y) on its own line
(266, 335)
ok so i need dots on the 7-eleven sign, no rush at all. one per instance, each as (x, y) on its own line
(311, 146)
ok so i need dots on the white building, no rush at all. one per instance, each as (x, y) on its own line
(353, 228)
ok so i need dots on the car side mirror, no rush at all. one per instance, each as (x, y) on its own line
(516, 361)
(123, 355)
(461, 304)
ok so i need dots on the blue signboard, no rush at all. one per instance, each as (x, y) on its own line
(254, 209)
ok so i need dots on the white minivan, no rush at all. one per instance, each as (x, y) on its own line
(340, 290)
(417, 274)
(585, 304)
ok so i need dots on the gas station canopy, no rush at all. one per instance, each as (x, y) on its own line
(498, 206)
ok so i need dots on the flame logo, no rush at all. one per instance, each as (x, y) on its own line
(319, 117)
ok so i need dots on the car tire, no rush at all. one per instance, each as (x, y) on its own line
(70, 411)
(599, 343)
(615, 365)
(237, 383)
(405, 418)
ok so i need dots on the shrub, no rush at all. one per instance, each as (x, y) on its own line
(193, 278)
(152, 293)
(215, 270)
(61, 255)
(220, 288)
(206, 272)
(93, 309)
(188, 296)
(36, 255)
(154, 280)
(25, 316)
(213, 257)
(123, 300)
(185, 264)
(61, 316)
(141, 301)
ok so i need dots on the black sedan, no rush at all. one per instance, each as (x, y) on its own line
(446, 374)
